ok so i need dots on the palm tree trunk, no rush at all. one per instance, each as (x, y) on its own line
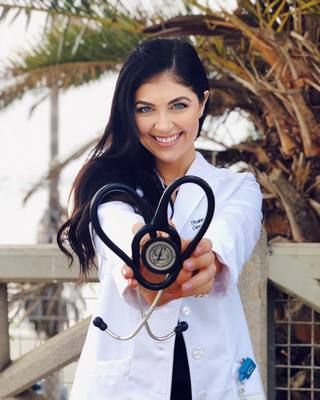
(49, 227)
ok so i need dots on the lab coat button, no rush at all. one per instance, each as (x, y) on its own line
(241, 390)
(197, 353)
(202, 396)
(186, 310)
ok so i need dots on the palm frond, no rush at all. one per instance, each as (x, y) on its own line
(86, 40)
(205, 25)
(98, 51)
(100, 12)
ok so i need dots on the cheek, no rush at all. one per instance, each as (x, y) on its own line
(192, 123)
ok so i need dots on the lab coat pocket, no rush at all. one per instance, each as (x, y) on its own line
(109, 380)
(248, 389)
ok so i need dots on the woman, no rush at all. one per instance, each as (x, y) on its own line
(159, 105)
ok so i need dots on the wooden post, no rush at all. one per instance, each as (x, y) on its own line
(44, 360)
(4, 328)
(253, 291)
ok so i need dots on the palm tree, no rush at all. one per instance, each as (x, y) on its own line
(263, 59)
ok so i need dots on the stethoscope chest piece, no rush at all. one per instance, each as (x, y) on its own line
(160, 255)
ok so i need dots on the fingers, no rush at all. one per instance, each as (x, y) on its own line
(136, 227)
(201, 258)
(196, 277)
(193, 264)
(127, 273)
(204, 277)
(202, 266)
(182, 277)
(204, 246)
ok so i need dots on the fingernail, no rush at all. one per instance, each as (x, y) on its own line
(198, 249)
(187, 286)
(188, 265)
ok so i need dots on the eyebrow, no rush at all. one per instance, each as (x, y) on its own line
(170, 102)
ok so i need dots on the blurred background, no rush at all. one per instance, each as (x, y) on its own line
(59, 61)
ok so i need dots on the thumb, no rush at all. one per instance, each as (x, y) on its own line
(136, 227)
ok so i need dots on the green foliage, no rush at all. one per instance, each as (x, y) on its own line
(70, 58)
(82, 41)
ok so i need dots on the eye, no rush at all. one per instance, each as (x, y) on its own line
(179, 106)
(144, 109)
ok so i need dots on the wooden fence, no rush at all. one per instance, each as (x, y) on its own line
(293, 267)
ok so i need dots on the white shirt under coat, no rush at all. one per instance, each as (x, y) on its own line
(217, 338)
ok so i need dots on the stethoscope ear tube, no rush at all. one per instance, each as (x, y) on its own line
(209, 215)
(160, 217)
(159, 255)
(102, 195)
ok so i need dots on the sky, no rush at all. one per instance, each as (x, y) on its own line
(24, 140)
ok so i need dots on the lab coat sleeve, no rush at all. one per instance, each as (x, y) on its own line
(117, 219)
(235, 230)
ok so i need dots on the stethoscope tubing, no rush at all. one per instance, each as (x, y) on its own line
(165, 200)
(102, 194)
(99, 323)
(158, 223)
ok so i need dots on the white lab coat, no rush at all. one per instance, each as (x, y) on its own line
(217, 338)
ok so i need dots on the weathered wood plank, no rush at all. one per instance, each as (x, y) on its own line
(28, 395)
(4, 328)
(295, 268)
(46, 359)
(37, 263)
(253, 291)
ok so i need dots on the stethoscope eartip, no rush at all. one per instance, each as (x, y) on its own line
(99, 323)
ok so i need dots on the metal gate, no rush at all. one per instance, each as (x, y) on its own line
(294, 348)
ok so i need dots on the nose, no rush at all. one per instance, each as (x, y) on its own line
(163, 123)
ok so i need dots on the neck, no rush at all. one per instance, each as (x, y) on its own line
(167, 181)
(169, 175)
(169, 172)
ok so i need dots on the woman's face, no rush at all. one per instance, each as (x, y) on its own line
(167, 116)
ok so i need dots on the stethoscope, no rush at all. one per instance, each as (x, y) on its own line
(160, 255)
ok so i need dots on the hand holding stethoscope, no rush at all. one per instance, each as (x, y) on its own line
(160, 255)
(195, 278)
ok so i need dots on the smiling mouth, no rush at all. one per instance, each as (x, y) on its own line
(167, 139)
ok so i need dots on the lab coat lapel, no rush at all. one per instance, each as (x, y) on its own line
(190, 195)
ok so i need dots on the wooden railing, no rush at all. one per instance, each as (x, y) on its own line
(35, 263)
(293, 267)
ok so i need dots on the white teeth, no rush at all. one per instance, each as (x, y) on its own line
(166, 139)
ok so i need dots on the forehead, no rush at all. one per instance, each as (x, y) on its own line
(163, 87)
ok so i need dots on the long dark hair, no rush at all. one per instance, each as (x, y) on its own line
(119, 156)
